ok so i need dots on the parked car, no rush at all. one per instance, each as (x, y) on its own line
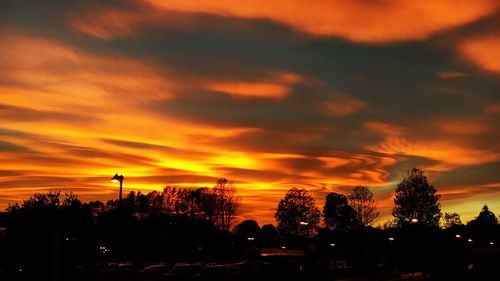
(155, 271)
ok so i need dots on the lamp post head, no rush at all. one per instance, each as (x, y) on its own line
(117, 178)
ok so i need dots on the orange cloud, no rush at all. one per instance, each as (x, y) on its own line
(463, 127)
(358, 21)
(107, 24)
(342, 106)
(384, 128)
(449, 154)
(112, 23)
(273, 89)
(70, 77)
(484, 52)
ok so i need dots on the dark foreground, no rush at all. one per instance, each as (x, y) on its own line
(273, 264)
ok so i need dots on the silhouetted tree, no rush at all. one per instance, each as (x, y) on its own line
(49, 234)
(297, 213)
(227, 202)
(348, 218)
(416, 199)
(268, 235)
(247, 228)
(206, 204)
(451, 219)
(388, 224)
(191, 202)
(337, 213)
(136, 204)
(172, 197)
(485, 218)
(96, 208)
(71, 201)
(156, 202)
(38, 201)
(332, 210)
(363, 203)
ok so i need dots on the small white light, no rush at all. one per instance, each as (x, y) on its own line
(491, 243)
(458, 236)
(391, 238)
(283, 247)
(251, 239)
(332, 244)
(469, 240)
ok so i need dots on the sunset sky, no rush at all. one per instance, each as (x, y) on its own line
(324, 95)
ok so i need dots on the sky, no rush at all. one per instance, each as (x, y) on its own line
(323, 95)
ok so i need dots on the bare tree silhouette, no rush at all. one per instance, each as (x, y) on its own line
(227, 202)
(361, 200)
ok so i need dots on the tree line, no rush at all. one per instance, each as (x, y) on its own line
(217, 205)
(415, 202)
(180, 223)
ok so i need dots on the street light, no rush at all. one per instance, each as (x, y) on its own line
(118, 178)
(303, 225)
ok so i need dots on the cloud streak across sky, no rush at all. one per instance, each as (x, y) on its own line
(324, 95)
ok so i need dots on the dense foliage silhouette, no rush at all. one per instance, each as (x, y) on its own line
(297, 213)
(416, 200)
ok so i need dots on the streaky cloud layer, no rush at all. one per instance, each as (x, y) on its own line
(325, 95)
